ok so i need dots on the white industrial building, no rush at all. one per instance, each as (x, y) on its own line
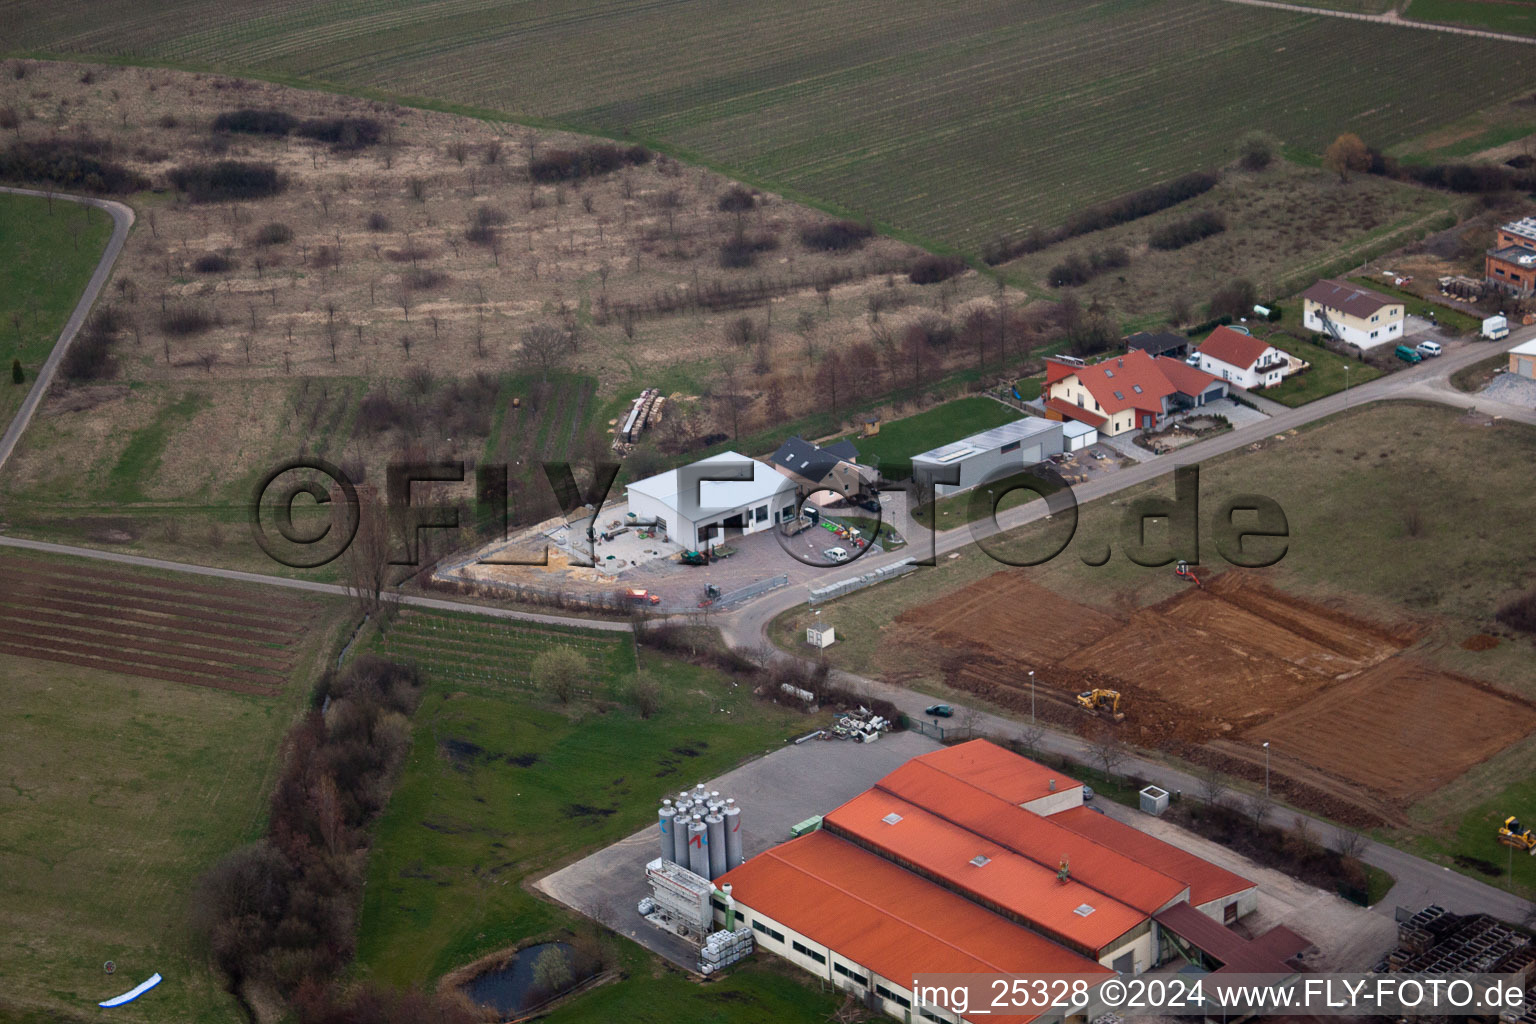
(988, 456)
(705, 501)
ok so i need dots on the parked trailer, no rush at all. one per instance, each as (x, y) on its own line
(1495, 328)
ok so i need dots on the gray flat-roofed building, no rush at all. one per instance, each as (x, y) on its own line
(989, 455)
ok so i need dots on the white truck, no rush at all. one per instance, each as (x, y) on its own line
(1495, 327)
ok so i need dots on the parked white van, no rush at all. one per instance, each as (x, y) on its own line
(1428, 348)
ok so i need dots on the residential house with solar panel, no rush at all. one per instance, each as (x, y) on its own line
(1350, 313)
(1126, 393)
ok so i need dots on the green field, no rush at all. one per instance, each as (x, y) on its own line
(502, 784)
(120, 791)
(47, 253)
(1516, 16)
(892, 449)
(954, 123)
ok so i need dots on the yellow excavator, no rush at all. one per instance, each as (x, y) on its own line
(1512, 833)
(1101, 702)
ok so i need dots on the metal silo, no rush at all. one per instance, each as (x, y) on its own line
(680, 838)
(716, 826)
(666, 822)
(733, 854)
(698, 848)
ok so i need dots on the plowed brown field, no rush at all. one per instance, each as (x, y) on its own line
(118, 621)
(1214, 671)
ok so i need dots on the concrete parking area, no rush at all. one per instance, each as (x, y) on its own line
(774, 792)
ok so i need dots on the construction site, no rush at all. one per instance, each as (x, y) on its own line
(1357, 728)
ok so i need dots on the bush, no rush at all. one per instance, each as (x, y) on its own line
(736, 200)
(274, 234)
(1177, 234)
(558, 671)
(1078, 270)
(18, 375)
(835, 236)
(343, 133)
(89, 356)
(1256, 151)
(213, 263)
(931, 269)
(255, 122)
(228, 179)
(1235, 299)
(1520, 613)
(1117, 211)
(81, 164)
(181, 321)
(742, 250)
(378, 412)
(589, 162)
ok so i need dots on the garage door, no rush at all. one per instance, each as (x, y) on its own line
(1525, 367)
(1031, 455)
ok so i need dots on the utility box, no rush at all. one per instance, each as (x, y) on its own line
(820, 636)
(1495, 327)
(1154, 800)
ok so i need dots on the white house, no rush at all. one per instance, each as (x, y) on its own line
(1356, 315)
(713, 498)
(1241, 358)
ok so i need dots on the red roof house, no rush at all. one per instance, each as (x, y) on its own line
(1135, 391)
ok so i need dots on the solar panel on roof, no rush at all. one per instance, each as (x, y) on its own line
(953, 456)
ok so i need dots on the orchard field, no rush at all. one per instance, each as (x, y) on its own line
(954, 123)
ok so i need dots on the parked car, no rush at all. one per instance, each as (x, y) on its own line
(1087, 792)
(1408, 355)
(939, 711)
(837, 554)
(1428, 349)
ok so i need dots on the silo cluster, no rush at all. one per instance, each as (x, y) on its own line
(700, 831)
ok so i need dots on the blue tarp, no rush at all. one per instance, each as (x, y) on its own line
(132, 994)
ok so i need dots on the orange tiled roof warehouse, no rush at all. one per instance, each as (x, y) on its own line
(940, 865)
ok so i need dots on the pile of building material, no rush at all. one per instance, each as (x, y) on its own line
(1435, 941)
(724, 948)
(862, 726)
(643, 412)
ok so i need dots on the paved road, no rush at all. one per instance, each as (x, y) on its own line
(1388, 18)
(122, 220)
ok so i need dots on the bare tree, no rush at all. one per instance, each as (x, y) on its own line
(1030, 734)
(1257, 806)
(544, 347)
(646, 693)
(458, 150)
(1213, 785)
(367, 557)
(1105, 747)
(1347, 842)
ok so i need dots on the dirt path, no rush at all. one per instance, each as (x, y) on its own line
(1388, 18)
(122, 220)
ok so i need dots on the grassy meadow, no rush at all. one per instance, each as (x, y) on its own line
(1514, 16)
(898, 440)
(504, 784)
(120, 791)
(47, 253)
(953, 123)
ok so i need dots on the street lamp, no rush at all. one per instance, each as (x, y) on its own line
(1031, 696)
(1346, 385)
(1266, 769)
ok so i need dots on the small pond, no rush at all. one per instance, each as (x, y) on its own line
(506, 989)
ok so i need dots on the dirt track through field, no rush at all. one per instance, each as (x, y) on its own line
(1215, 671)
(122, 622)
